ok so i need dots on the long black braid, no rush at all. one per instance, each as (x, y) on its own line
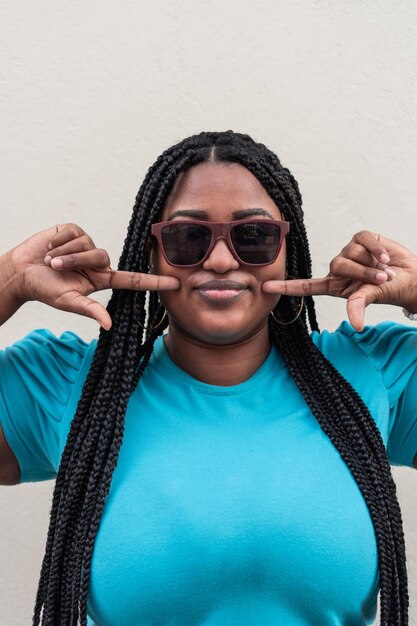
(122, 354)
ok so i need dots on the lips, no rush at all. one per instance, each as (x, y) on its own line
(221, 285)
(221, 290)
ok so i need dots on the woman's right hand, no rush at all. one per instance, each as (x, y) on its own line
(85, 269)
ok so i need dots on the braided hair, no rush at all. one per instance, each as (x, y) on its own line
(122, 354)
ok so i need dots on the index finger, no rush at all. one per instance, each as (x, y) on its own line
(301, 286)
(120, 279)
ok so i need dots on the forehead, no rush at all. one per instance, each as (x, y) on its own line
(219, 189)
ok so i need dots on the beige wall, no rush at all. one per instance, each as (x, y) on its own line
(91, 92)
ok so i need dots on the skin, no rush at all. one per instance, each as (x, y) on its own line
(219, 342)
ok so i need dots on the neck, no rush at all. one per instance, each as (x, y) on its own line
(221, 365)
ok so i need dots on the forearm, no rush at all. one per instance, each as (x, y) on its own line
(9, 300)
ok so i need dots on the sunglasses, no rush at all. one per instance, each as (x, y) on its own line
(186, 243)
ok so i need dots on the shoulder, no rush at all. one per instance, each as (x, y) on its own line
(43, 358)
(381, 365)
(40, 375)
(43, 337)
(42, 345)
(388, 345)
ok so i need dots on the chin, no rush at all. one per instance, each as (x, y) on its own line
(221, 334)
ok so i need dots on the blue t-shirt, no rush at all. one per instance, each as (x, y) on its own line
(229, 505)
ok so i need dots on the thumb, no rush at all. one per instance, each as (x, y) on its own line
(88, 307)
(357, 303)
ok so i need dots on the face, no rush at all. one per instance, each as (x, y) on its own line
(219, 193)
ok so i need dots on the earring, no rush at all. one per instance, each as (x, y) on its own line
(156, 325)
(295, 318)
(160, 321)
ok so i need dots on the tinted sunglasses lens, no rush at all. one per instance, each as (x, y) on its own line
(256, 242)
(185, 244)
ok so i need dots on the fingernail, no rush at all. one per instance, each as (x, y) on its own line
(49, 246)
(381, 276)
(390, 272)
(384, 258)
(57, 262)
(47, 259)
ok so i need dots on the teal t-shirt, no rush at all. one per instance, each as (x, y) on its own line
(229, 506)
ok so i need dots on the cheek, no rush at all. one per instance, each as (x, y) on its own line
(170, 299)
(276, 271)
(267, 301)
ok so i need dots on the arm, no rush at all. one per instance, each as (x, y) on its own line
(371, 268)
(9, 467)
(9, 302)
(26, 274)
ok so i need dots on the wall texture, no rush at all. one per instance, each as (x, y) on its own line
(91, 93)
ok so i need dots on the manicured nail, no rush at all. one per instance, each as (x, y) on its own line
(57, 262)
(381, 276)
(384, 258)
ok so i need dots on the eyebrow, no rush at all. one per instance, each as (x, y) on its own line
(200, 214)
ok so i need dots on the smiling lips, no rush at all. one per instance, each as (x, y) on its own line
(221, 290)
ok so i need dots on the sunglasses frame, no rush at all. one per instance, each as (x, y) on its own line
(220, 230)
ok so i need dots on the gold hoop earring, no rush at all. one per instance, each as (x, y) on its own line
(295, 318)
(156, 325)
(161, 320)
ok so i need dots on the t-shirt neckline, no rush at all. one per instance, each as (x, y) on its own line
(162, 361)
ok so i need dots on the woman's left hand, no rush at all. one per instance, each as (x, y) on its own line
(371, 268)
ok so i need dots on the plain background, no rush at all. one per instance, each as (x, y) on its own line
(91, 93)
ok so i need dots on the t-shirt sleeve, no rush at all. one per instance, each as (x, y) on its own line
(392, 350)
(37, 376)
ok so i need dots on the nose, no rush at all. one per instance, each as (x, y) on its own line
(221, 258)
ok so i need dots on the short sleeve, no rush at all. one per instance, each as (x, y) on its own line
(37, 377)
(391, 348)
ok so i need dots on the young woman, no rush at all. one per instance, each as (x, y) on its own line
(234, 470)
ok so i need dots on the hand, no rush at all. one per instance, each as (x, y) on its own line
(371, 268)
(84, 269)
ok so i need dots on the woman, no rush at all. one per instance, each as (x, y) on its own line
(235, 470)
